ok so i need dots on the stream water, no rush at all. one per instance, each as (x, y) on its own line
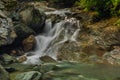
(47, 42)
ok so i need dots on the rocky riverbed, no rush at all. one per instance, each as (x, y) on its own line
(94, 55)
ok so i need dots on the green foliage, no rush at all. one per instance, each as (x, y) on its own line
(115, 3)
(115, 10)
(104, 7)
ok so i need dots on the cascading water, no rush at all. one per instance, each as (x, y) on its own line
(47, 43)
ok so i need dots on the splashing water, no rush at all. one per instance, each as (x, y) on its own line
(47, 41)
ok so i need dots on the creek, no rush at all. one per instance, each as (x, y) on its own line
(48, 42)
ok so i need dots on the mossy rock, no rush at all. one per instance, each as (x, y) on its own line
(32, 75)
(4, 74)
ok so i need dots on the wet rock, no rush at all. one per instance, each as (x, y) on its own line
(29, 43)
(47, 59)
(22, 59)
(34, 18)
(4, 74)
(20, 67)
(32, 75)
(7, 59)
(57, 15)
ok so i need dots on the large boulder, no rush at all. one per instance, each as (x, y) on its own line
(34, 18)
(32, 75)
(23, 31)
(3, 74)
(29, 43)
(7, 33)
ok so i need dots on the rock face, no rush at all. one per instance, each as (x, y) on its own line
(7, 34)
(3, 74)
(32, 75)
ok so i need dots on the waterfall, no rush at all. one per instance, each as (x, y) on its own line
(47, 43)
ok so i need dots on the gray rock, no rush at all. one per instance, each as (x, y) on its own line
(7, 34)
(21, 67)
(3, 74)
(32, 75)
(2, 14)
(34, 18)
(2, 5)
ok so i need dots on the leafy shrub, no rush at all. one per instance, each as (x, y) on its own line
(104, 7)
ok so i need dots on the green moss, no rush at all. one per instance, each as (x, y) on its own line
(13, 75)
